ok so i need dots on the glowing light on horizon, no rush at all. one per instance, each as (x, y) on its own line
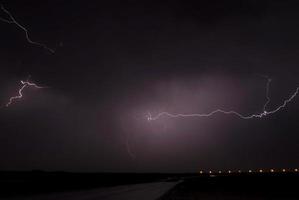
(12, 20)
(262, 114)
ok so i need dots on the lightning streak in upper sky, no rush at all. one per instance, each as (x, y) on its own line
(262, 114)
(25, 84)
(12, 20)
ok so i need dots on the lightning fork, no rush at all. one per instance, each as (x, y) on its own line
(25, 84)
(262, 114)
(12, 20)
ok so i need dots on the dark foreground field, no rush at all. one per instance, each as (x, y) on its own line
(122, 186)
(256, 186)
(26, 184)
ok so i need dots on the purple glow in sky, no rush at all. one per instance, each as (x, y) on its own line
(165, 83)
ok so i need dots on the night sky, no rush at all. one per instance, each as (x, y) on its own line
(115, 62)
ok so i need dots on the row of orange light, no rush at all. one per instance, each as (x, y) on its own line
(251, 171)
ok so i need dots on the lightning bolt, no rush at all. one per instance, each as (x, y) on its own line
(12, 20)
(267, 92)
(24, 84)
(262, 114)
(130, 152)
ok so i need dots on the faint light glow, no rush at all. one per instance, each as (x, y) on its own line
(239, 171)
(229, 171)
(219, 172)
(261, 171)
(250, 171)
(271, 170)
(210, 172)
(201, 172)
(296, 170)
(284, 170)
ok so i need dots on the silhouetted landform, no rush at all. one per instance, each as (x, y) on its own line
(28, 183)
(253, 186)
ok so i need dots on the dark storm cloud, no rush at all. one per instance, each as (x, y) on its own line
(121, 60)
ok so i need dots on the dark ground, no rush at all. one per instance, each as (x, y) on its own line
(246, 186)
(192, 186)
(14, 184)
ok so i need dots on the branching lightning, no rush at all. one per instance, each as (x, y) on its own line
(262, 114)
(25, 84)
(12, 20)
